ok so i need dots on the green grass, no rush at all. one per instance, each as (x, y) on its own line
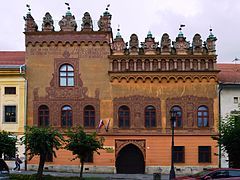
(49, 177)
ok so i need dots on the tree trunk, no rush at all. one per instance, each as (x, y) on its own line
(40, 166)
(81, 171)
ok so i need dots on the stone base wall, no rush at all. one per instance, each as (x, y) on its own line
(179, 170)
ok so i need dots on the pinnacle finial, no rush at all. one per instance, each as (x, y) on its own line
(118, 32)
(107, 7)
(29, 9)
(68, 6)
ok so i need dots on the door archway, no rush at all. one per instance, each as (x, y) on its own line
(130, 160)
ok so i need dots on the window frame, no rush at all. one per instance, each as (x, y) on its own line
(152, 114)
(202, 117)
(177, 154)
(204, 155)
(5, 113)
(10, 89)
(69, 114)
(89, 118)
(179, 114)
(44, 115)
(66, 77)
(125, 117)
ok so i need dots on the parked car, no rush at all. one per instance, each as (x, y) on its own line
(214, 173)
(4, 170)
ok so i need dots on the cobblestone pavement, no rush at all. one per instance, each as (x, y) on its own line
(106, 176)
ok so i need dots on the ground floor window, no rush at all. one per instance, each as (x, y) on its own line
(178, 154)
(204, 154)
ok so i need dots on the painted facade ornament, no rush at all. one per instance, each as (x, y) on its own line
(133, 44)
(87, 24)
(197, 44)
(165, 44)
(181, 45)
(47, 24)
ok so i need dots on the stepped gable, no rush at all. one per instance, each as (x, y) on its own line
(12, 57)
(229, 73)
(87, 22)
(47, 24)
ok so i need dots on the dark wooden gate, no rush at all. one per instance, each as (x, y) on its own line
(130, 160)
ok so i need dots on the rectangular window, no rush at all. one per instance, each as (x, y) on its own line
(10, 113)
(204, 154)
(89, 158)
(178, 154)
(10, 90)
(235, 100)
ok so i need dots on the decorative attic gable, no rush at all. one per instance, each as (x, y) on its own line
(134, 44)
(104, 22)
(47, 24)
(149, 45)
(211, 43)
(181, 45)
(68, 22)
(165, 44)
(87, 22)
(30, 24)
(119, 45)
(197, 44)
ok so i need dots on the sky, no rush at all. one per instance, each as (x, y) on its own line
(134, 16)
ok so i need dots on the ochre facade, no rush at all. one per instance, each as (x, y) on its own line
(108, 75)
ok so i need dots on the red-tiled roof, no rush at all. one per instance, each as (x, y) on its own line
(12, 57)
(229, 73)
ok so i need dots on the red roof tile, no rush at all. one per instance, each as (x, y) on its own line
(12, 57)
(229, 73)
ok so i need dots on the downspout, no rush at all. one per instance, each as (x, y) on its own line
(220, 88)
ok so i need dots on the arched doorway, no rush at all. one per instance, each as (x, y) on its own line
(130, 160)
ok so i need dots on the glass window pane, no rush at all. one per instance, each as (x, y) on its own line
(63, 82)
(63, 68)
(63, 74)
(70, 73)
(70, 68)
(70, 81)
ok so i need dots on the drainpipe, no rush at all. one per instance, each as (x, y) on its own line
(220, 88)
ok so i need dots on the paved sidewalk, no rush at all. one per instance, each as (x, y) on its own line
(106, 176)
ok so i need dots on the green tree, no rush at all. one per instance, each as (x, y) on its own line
(7, 144)
(229, 139)
(40, 142)
(82, 144)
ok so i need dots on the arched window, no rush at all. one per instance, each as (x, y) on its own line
(66, 75)
(115, 65)
(202, 116)
(147, 65)
(150, 117)
(123, 65)
(89, 116)
(43, 116)
(178, 111)
(66, 116)
(155, 65)
(131, 65)
(124, 117)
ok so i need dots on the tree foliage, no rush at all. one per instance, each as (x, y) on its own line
(41, 141)
(82, 144)
(7, 143)
(229, 139)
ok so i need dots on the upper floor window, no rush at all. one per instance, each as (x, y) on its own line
(66, 75)
(139, 65)
(10, 90)
(66, 116)
(202, 116)
(150, 116)
(178, 120)
(43, 116)
(10, 113)
(89, 116)
(204, 154)
(124, 117)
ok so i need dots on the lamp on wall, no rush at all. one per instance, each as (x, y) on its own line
(173, 115)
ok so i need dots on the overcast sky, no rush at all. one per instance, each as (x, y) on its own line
(134, 16)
